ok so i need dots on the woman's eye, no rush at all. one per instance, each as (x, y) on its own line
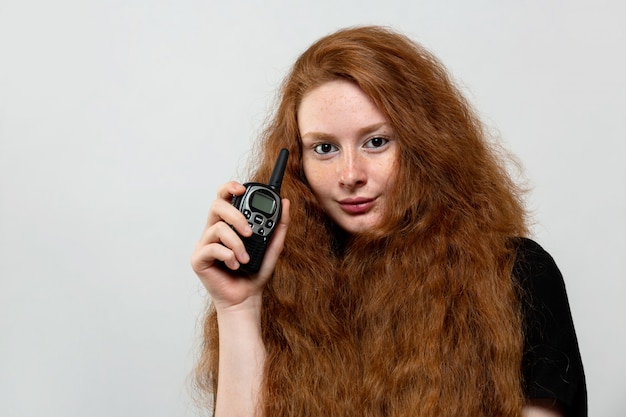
(324, 148)
(376, 142)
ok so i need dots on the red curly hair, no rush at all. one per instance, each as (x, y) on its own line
(418, 317)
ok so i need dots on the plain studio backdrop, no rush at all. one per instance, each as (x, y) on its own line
(119, 119)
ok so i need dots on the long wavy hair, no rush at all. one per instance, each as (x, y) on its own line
(418, 317)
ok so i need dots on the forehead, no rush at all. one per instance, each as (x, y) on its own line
(337, 103)
(335, 92)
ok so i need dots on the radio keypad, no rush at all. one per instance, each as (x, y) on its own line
(259, 223)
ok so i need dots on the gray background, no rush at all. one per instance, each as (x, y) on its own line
(119, 119)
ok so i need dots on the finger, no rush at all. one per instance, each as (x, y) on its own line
(222, 211)
(224, 195)
(223, 234)
(204, 257)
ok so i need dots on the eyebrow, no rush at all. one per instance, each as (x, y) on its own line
(361, 132)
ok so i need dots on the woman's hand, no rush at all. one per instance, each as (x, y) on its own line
(219, 252)
(237, 299)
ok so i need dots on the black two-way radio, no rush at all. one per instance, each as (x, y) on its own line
(261, 205)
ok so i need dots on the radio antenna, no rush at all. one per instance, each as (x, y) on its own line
(276, 179)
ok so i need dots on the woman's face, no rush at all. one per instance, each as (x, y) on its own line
(349, 154)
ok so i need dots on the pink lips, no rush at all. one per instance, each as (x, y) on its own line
(358, 205)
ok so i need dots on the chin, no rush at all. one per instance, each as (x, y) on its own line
(356, 227)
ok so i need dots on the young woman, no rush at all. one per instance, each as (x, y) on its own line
(399, 281)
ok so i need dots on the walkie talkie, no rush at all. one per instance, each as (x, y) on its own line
(261, 205)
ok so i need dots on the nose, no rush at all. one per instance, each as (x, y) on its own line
(352, 170)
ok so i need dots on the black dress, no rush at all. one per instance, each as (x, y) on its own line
(552, 366)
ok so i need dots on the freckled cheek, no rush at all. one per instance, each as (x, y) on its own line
(391, 178)
(391, 168)
(320, 182)
(383, 172)
(313, 175)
